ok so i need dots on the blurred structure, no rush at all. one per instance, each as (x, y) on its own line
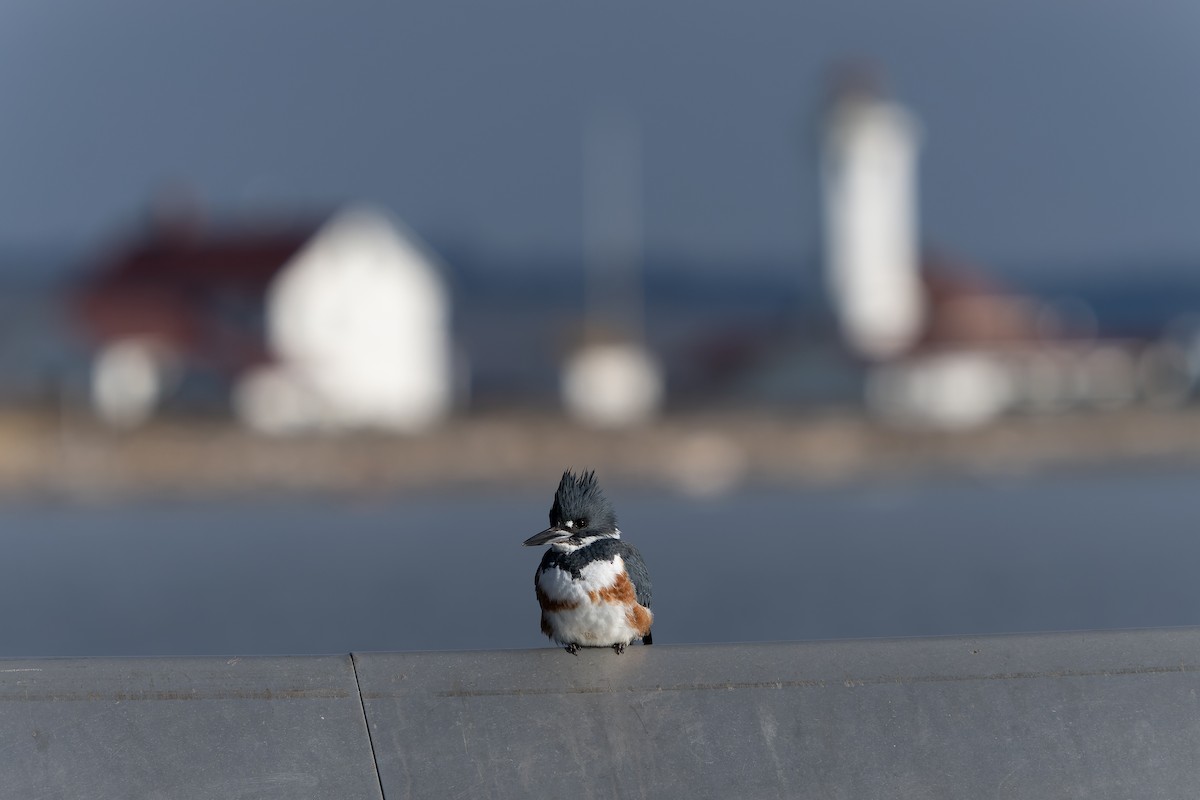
(986, 351)
(962, 371)
(872, 248)
(941, 344)
(358, 328)
(612, 379)
(612, 384)
(336, 327)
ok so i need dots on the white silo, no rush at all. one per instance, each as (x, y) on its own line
(869, 186)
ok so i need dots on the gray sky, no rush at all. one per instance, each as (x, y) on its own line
(1058, 131)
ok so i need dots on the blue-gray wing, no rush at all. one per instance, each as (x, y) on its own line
(638, 574)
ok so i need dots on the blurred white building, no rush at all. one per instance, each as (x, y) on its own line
(357, 324)
(331, 327)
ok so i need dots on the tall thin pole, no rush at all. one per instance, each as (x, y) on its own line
(612, 221)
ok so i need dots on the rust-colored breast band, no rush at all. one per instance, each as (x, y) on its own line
(554, 605)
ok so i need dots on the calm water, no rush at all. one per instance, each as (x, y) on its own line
(1101, 550)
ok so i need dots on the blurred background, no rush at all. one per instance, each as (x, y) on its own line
(883, 317)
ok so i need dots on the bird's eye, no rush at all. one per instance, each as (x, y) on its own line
(581, 523)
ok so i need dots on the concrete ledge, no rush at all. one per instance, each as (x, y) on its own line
(1111, 714)
(183, 728)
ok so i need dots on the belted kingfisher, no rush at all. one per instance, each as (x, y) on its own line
(593, 587)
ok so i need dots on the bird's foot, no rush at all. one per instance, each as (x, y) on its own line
(619, 648)
(573, 649)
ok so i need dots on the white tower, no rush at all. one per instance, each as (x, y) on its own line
(869, 185)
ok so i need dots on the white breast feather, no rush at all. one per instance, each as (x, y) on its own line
(589, 623)
(559, 585)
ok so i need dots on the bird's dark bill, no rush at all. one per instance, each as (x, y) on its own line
(548, 536)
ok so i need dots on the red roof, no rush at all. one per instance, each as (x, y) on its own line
(966, 307)
(202, 294)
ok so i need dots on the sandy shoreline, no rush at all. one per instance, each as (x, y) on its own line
(700, 453)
